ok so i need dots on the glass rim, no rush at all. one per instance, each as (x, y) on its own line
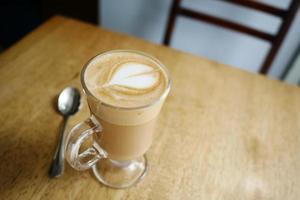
(165, 93)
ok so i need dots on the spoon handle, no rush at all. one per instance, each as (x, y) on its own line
(58, 162)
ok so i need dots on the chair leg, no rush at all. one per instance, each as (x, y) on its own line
(171, 21)
(280, 36)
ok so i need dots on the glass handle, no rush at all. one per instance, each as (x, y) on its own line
(80, 134)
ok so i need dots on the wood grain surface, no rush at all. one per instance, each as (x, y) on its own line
(223, 133)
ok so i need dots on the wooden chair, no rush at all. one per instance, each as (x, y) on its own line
(286, 16)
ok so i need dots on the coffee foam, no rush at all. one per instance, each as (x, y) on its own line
(125, 79)
(133, 75)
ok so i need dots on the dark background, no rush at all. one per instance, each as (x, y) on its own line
(18, 17)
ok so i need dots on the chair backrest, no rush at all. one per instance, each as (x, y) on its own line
(286, 15)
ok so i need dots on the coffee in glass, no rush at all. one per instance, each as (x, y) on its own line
(125, 91)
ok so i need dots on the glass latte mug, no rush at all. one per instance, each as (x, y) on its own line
(125, 91)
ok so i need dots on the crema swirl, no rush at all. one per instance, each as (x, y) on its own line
(125, 79)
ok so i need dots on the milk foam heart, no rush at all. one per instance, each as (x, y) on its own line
(134, 75)
(126, 79)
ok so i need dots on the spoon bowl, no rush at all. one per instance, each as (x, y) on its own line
(69, 101)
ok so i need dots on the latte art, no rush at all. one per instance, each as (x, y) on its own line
(126, 79)
(132, 77)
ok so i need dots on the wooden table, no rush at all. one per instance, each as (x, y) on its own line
(223, 133)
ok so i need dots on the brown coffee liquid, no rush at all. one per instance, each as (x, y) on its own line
(126, 142)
